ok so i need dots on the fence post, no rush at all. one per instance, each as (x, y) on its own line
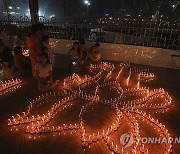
(33, 5)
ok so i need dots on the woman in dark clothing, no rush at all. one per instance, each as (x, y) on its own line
(75, 57)
(7, 62)
(20, 60)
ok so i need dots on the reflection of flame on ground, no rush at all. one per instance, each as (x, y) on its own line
(111, 102)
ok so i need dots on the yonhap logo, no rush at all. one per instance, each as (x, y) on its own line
(126, 140)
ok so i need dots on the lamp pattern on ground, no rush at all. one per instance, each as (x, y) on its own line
(9, 86)
(117, 90)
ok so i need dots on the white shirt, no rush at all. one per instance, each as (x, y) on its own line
(43, 71)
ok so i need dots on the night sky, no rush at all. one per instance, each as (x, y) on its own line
(97, 8)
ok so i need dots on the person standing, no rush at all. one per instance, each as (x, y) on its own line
(49, 49)
(5, 38)
(35, 45)
(82, 48)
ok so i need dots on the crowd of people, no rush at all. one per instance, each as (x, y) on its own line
(42, 58)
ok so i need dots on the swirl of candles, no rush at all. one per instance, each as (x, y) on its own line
(131, 110)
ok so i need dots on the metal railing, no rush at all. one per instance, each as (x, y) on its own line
(131, 32)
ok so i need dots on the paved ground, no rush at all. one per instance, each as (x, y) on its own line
(15, 102)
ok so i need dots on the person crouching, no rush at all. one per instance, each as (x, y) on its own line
(44, 74)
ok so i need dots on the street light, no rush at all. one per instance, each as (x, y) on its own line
(52, 16)
(87, 4)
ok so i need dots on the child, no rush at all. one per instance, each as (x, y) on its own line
(92, 51)
(20, 60)
(97, 56)
(44, 74)
(49, 50)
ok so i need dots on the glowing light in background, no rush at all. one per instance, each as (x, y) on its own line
(10, 7)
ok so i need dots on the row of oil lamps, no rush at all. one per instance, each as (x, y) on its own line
(48, 117)
(38, 124)
(75, 79)
(102, 66)
(9, 83)
(137, 103)
(142, 75)
(9, 86)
